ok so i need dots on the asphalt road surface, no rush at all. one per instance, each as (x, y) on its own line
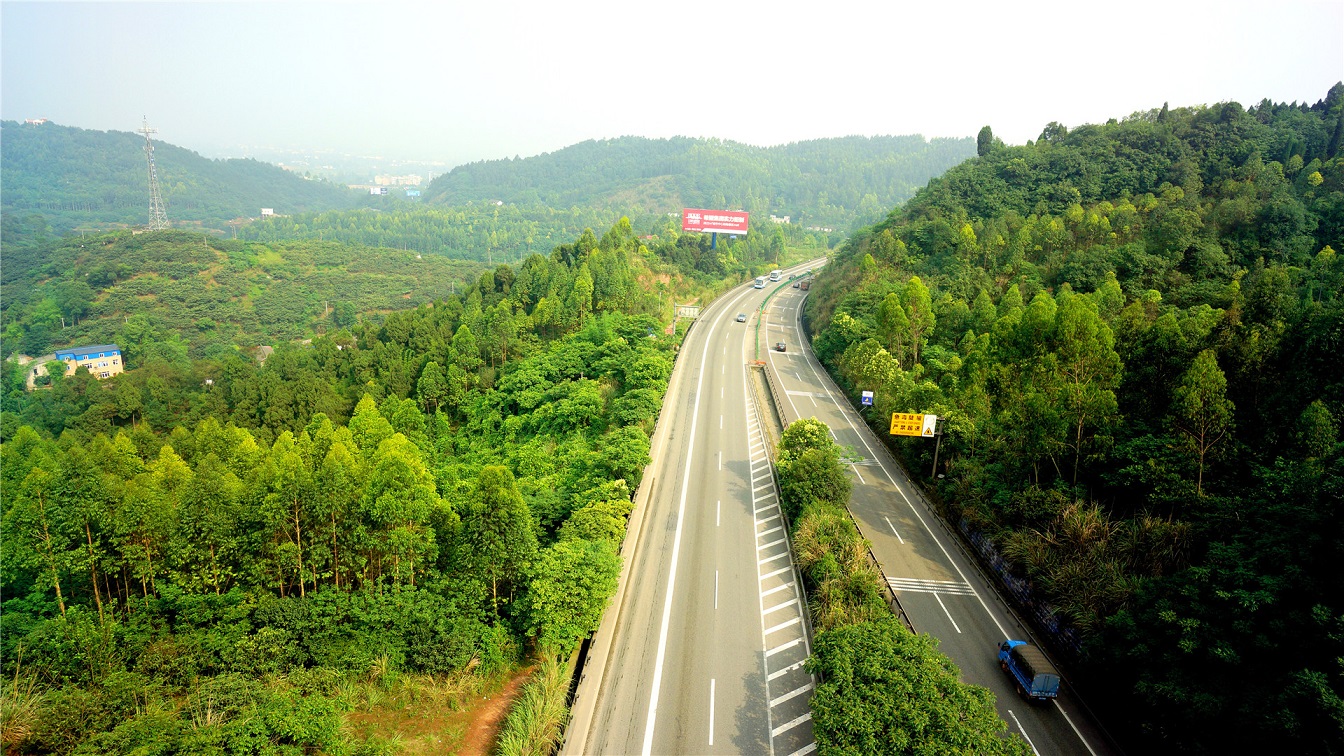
(702, 651)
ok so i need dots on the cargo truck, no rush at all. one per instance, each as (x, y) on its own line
(805, 284)
(1035, 676)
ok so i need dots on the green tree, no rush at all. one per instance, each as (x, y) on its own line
(1203, 413)
(886, 690)
(809, 467)
(499, 537)
(1089, 369)
(39, 532)
(894, 326)
(581, 297)
(919, 312)
(984, 141)
(432, 388)
(571, 582)
(399, 501)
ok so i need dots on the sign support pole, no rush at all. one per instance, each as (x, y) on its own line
(938, 444)
(714, 240)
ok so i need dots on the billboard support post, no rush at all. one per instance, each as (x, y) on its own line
(714, 240)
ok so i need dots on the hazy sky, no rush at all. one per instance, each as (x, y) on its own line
(494, 78)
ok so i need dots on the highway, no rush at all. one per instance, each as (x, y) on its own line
(942, 591)
(702, 649)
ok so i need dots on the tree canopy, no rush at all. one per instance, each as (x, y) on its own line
(1132, 335)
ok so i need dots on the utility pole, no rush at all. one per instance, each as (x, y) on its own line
(158, 216)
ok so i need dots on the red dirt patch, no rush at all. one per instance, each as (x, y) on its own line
(486, 716)
(431, 726)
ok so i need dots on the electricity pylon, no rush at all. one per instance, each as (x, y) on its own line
(158, 216)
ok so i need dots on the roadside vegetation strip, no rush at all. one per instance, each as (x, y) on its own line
(536, 723)
(882, 688)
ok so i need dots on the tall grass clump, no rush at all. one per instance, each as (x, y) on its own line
(536, 723)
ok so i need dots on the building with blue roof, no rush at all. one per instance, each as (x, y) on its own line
(102, 360)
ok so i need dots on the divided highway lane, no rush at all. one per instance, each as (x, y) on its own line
(701, 652)
(942, 592)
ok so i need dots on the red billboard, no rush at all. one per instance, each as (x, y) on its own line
(725, 221)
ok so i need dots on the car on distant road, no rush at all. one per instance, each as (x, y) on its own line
(741, 317)
(779, 346)
(795, 284)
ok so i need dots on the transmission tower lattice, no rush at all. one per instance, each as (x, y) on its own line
(158, 216)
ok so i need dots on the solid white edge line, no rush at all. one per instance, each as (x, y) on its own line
(1074, 727)
(1023, 730)
(647, 748)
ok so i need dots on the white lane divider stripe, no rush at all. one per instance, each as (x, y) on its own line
(893, 530)
(711, 711)
(939, 599)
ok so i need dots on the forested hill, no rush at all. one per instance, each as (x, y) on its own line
(80, 177)
(822, 182)
(202, 296)
(1135, 334)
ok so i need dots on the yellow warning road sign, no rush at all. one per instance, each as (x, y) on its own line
(910, 424)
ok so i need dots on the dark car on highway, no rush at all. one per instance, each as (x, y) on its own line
(779, 347)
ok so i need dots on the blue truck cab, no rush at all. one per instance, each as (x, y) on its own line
(1036, 677)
